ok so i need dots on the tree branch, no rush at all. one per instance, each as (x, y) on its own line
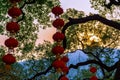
(41, 73)
(80, 64)
(25, 3)
(95, 62)
(89, 18)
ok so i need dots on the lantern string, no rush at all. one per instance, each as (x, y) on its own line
(60, 63)
(12, 27)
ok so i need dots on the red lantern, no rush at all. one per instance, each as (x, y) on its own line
(65, 69)
(93, 69)
(57, 10)
(65, 59)
(14, 12)
(8, 59)
(11, 43)
(58, 64)
(64, 78)
(14, 1)
(12, 27)
(58, 36)
(58, 50)
(58, 23)
(93, 78)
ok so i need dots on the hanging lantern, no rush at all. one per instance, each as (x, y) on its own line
(58, 64)
(65, 59)
(58, 23)
(57, 10)
(64, 78)
(93, 69)
(14, 12)
(12, 27)
(93, 78)
(58, 36)
(58, 50)
(14, 1)
(11, 43)
(8, 60)
(65, 70)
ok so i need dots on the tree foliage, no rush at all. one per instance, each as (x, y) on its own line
(108, 8)
(92, 34)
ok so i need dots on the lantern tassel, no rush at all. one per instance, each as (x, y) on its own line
(8, 67)
(59, 70)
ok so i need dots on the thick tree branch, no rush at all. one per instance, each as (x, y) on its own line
(95, 62)
(89, 18)
(105, 21)
(80, 64)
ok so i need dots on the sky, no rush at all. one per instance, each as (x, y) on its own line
(81, 5)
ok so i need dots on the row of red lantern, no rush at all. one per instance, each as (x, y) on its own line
(60, 62)
(60, 65)
(93, 70)
(12, 27)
